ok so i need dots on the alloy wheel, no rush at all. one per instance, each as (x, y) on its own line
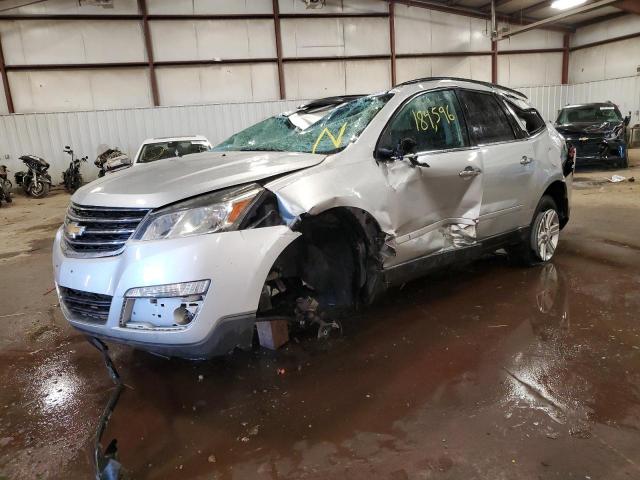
(547, 235)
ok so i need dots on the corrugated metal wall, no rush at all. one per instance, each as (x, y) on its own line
(46, 134)
(624, 92)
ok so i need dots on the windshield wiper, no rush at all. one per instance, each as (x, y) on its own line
(260, 150)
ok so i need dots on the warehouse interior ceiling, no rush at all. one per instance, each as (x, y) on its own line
(529, 11)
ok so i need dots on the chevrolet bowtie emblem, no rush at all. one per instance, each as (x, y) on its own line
(73, 230)
(583, 139)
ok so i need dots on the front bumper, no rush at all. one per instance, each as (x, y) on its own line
(599, 151)
(237, 263)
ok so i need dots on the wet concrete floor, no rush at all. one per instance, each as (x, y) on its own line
(484, 372)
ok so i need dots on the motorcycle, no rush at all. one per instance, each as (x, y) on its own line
(35, 181)
(5, 185)
(71, 177)
(111, 160)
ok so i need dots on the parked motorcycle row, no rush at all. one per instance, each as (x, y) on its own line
(36, 182)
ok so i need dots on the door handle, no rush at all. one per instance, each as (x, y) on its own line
(526, 160)
(470, 172)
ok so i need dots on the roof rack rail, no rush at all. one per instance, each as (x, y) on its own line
(486, 84)
(328, 101)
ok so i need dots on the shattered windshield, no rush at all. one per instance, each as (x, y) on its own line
(590, 114)
(329, 133)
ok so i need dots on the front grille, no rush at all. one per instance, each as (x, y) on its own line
(86, 306)
(589, 148)
(100, 231)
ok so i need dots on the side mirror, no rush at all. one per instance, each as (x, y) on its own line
(407, 146)
(627, 120)
(384, 154)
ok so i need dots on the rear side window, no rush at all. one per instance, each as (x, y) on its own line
(529, 119)
(486, 120)
(434, 120)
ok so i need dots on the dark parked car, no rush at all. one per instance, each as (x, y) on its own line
(597, 131)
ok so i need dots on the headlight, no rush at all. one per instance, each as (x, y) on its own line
(213, 212)
(615, 133)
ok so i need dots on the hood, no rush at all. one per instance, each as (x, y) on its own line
(588, 129)
(159, 183)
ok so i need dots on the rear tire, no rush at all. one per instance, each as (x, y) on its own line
(544, 234)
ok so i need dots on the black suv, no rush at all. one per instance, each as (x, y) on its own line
(597, 131)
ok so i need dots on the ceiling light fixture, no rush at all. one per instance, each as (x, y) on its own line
(566, 4)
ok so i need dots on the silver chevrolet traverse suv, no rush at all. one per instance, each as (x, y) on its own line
(311, 212)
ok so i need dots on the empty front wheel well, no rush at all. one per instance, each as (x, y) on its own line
(335, 260)
(558, 191)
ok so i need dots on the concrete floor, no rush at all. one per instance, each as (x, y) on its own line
(486, 372)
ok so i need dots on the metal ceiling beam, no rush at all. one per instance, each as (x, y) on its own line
(631, 6)
(601, 18)
(487, 6)
(532, 8)
(557, 18)
(470, 12)
(11, 5)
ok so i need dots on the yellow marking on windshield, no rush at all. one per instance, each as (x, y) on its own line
(335, 140)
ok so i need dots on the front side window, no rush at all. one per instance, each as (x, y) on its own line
(433, 120)
(589, 114)
(486, 120)
(324, 131)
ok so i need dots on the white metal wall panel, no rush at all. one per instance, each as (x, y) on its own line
(73, 7)
(367, 76)
(89, 41)
(303, 37)
(532, 39)
(64, 90)
(613, 60)
(603, 31)
(621, 58)
(218, 83)
(413, 29)
(587, 64)
(457, 33)
(515, 70)
(208, 7)
(47, 134)
(476, 67)
(624, 92)
(212, 39)
(301, 79)
(335, 6)
(419, 30)
(338, 78)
